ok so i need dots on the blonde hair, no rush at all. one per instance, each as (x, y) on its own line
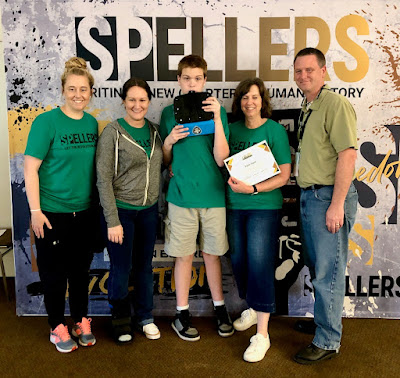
(76, 66)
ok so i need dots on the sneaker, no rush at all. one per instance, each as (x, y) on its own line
(258, 347)
(247, 319)
(225, 327)
(61, 338)
(84, 332)
(181, 325)
(151, 331)
(122, 330)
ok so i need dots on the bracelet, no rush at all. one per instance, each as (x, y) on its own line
(35, 210)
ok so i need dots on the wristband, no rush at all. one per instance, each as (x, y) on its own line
(35, 210)
(255, 190)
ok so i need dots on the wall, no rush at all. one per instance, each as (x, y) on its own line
(238, 39)
(5, 196)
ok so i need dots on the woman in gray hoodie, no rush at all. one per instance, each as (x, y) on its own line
(128, 160)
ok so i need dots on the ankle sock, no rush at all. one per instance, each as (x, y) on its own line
(219, 303)
(181, 308)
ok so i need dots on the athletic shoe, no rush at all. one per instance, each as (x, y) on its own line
(83, 331)
(181, 325)
(224, 322)
(247, 319)
(61, 338)
(258, 347)
(122, 330)
(151, 331)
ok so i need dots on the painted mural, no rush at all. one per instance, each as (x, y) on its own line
(239, 39)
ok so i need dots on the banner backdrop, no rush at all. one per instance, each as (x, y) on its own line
(239, 39)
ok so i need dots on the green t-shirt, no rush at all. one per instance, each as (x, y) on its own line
(241, 138)
(67, 148)
(197, 180)
(141, 136)
(330, 129)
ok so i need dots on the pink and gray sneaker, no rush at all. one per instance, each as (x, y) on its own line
(83, 331)
(61, 338)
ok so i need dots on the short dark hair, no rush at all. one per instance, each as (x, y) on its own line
(312, 51)
(242, 89)
(135, 82)
(192, 61)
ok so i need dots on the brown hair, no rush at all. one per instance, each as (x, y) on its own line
(192, 61)
(312, 51)
(76, 66)
(242, 89)
(135, 82)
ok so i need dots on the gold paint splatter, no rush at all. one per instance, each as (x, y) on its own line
(19, 124)
(20, 121)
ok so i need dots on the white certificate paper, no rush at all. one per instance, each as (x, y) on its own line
(253, 165)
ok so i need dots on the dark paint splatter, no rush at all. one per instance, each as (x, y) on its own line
(15, 98)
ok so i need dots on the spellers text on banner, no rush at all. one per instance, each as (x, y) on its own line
(113, 45)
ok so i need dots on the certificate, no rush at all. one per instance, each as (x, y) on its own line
(253, 165)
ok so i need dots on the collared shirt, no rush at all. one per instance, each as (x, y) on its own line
(331, 128)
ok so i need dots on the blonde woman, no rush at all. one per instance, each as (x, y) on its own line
(59, 181)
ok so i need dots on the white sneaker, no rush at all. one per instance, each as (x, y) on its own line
(151, 331)
(258, 347)
(247, 319)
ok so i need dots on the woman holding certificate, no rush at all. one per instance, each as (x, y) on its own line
(253, 213)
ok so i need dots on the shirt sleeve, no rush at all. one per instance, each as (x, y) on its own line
(224, 119)
(164, 124)
(281, 148)
(343, 126)
(105, 162)
(41, 137)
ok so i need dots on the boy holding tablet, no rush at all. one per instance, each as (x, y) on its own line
(196, 199)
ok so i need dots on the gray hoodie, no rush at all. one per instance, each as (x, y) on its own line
(125, 172)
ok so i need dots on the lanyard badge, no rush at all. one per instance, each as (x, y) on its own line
(302, 125)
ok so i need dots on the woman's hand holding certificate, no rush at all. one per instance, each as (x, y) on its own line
(252, 165)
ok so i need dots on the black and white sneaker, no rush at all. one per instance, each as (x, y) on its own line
(224, 322)
(183, 328)
(122, 330)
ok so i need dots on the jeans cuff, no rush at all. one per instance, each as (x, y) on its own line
(145, 322)
(270, 308)
(324, 347)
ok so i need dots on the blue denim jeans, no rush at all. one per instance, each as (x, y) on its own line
(325, 254)
(134, 256)
(253, 244)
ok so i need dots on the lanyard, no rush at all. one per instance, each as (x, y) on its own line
(303, 122)
(302, 126)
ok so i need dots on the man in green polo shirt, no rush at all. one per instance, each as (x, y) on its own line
(325, 163)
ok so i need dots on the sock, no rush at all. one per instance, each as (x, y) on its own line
(218, 303)
(180, 308)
